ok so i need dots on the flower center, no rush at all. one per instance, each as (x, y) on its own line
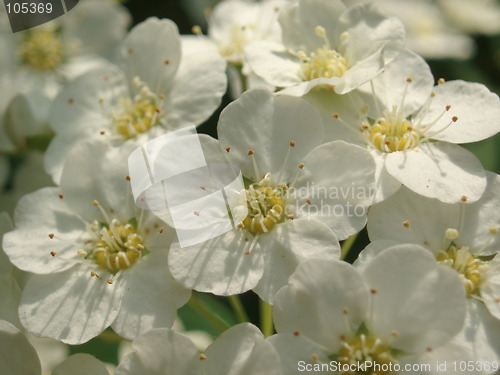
(265, 205)
(362, 349)
(470, 268)
(240, 36)
(138, 115)
(41, 50)
(115, 246)
(393, 132)
(324, 63)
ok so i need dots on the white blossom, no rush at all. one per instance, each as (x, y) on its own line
(98, 259)
(398, 310)
(241, 350)
(294, 207)
(160, 86)
(326, 44)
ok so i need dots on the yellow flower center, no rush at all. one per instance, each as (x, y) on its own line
(393, 132)
(117, 246)
(324, 63)
(138, 115)
(470, 268)
(362, 349)
(265, 205)
(41, 50)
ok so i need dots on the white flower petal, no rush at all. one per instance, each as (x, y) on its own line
(476, 107)
(95, 171)
(153, 53)
(81, 364)
(266, 124)
(490, 289)
(315, 301)
(242, 350)
(17, 356)
(371, 251)
(336, 192)
(161, 351)
(270, 61)
(219, 265)
(70, 306)
(29, 247)
(481, 223)
(300, 20)
(391, 85)
(408, 217)
(288, 245)
(195, 95)
(51, 352)
(152, 296)
(82, 110)
(296, 353)
(439, 170)
(415, 297)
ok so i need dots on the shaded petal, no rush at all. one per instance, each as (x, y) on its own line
(296, 353)
(481, 220)
(81, 364)
(70, 306)
(439, 170)
(161, 351)
(220, 265)
(242, 350)
(408, 217)
(371, 251)
(413, 296)
(336, 192)
(16, 353)
(287, 246)
(490, 289)
(194, 94)
(152, 296)
(153, 53)
(39, 215)
(315, 301)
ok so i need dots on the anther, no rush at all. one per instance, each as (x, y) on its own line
(96, 203)
(406, 224)
(82, 253)
(51, 235)
(127, 178)
(308, 201)
(292, 144)
(196, 30)
(454, 119)
(251, 152)
(336, 115)
(197, 213)
(228, 149)
(345, 311)
(394, 333)
(463, 198)
(71, 100)
(61, 196)
(493, 230)
(429, 349)
(314, 357)
(130, 50)
(409, 80)
(451, 234)
(301, 165)
(102, 132)
(373, 290)
(110, 281)
(296, 333)
(447, 107)
(161, 230)
(441, 81)
(140, 247)
(320, 31)
(53, 253)
(93, 274)
(202, 357)
(167, 61)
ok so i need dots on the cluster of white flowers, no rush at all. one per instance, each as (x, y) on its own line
(334, 125)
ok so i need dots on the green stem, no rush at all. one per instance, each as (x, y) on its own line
(346, 246)
(238, 309)
(202, 309)
(266, 319)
